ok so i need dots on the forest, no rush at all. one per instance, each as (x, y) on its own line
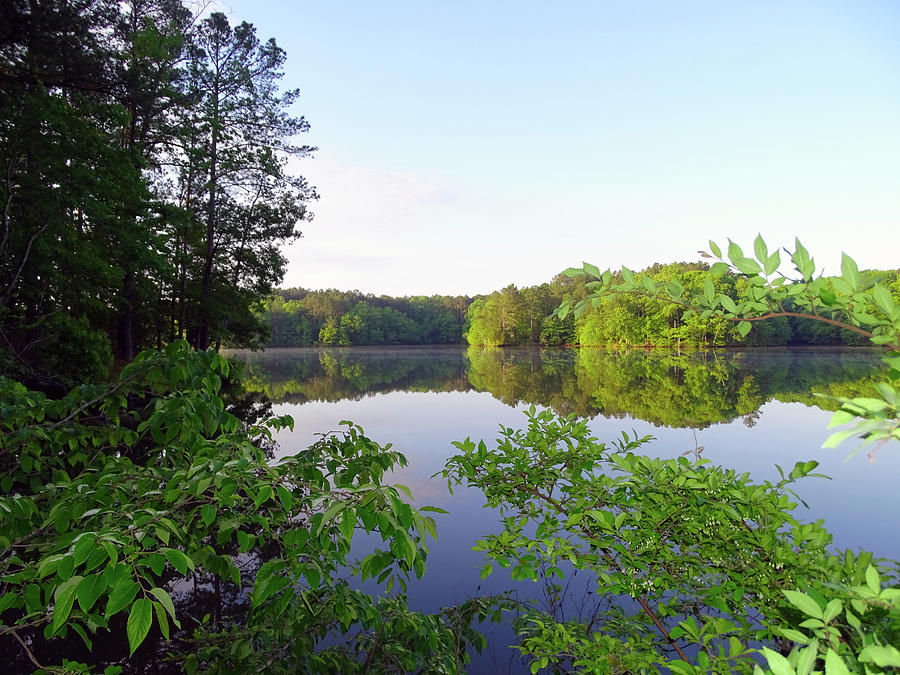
(145, 191)
(145, 522)
(527, 316)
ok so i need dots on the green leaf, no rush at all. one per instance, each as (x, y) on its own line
(802, 261)
(49, 565)
(727, 303)
(593, 270)
(873, 581)
(807, 658)
(804, 603)
(794, 635)
(838, 437)
(245, 541)
(330, 513)
(84, 546)
(748, 266)
(32, 594)
(162, 620)
(841, 286)
(265, 494)
(9, 600)
(157, 562)
(166, 601)
(285, 497)
(348, 524)
(89, 590)
(139, 621)
(178, 560)
(714, 247)
(735, 253)
(486, 571)
(64, 598)
(772, 263)
(834, 665)
(760, 249)
(84, 638)
(884, 300)
(709, 291)
(718, 268)
(208, 514)
(743, 328)
(881, 656)
(849, 271)
(840, 417)
(832, 609)
(872, 405)
(777, 663)
(122, 594)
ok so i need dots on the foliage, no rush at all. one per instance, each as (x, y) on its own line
(852, 627)
(697, 555)
(853, 301)
(300, 318)
(114, 495)
(144, 192)
(514, 316)
(241, 135)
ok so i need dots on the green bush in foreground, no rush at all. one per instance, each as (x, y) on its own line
(702, 560)
(116, 494)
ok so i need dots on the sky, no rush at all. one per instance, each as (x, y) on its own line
(466, 146)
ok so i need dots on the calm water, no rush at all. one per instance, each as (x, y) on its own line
(748, 410)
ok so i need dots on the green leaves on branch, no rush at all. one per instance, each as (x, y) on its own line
(678, 538)
(104, 521)
(852, 627)
(873, 421)
(854, 301)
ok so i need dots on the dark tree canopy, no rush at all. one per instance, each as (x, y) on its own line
(144, 189)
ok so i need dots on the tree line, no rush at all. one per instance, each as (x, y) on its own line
(298, 318)
(144, 187)
(512, 316)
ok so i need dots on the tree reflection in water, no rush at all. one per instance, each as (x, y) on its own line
(678, 389)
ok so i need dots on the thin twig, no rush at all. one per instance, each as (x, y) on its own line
(27, 651)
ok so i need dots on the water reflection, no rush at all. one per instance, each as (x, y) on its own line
(685, 400)
(687, 389)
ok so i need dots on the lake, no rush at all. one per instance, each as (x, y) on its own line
(748, 410)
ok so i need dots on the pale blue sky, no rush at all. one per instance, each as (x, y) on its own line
(465, 146)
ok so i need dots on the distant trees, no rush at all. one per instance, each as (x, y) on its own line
(297, 317)
(512, 316)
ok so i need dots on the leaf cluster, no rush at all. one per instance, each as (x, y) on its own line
(701, 552)
(115, 495)
(853, 301)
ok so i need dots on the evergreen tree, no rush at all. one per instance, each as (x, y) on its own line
(241, 135)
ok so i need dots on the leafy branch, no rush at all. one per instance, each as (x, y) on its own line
(852, 301)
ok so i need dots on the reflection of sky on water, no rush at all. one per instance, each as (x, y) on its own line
(856, 504)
